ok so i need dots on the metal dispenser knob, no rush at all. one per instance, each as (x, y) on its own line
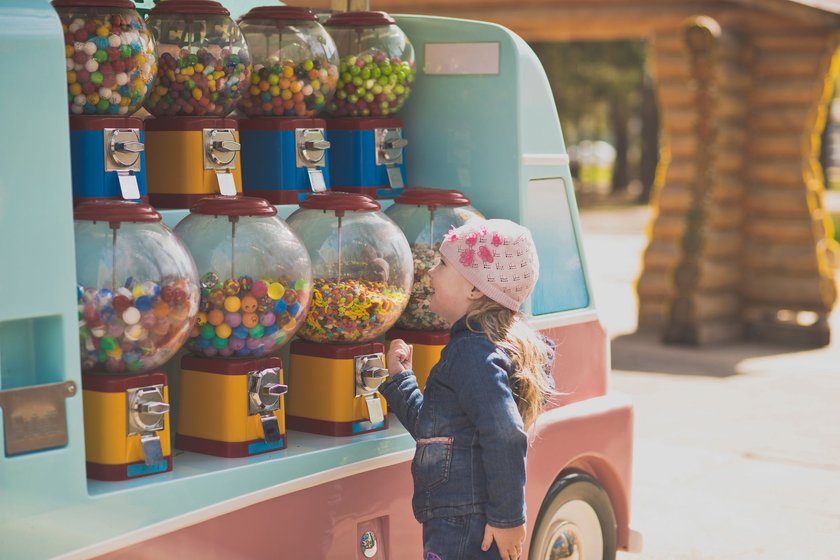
(220, 147)
(147, 411)
(122, 149)
(389, 152)
(370, 373)
(312, 144)
(264, 391)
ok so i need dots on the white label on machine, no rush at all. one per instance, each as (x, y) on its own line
(374, 407)
(316, 179)
(128, 186)
(227, 186)
(461, 58)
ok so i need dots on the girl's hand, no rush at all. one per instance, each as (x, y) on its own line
(509, 541)
(399, 356)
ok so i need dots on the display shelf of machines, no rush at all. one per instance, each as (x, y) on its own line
(111, 63)
(138, 298)
(425, 215)
(376, 73)
(203, 70)
(256, 285)
(284, 144)
(362, 275)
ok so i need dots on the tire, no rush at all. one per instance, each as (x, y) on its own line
(576, 522)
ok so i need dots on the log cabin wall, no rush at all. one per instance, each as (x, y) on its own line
(739, 243)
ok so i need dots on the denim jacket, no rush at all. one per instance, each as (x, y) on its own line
(471, 445)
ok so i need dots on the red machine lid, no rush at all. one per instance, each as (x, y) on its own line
(360, 19)
(127, 4)
(115, 211)
(363, 123)
(92, 122)
(284, 13)
(425, 196)
(183, 124)
(189, 7)
(342, 201)
(218, 205)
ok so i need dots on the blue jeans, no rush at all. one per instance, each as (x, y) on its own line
(456, 538)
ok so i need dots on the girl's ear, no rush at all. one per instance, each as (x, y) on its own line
(475, 294)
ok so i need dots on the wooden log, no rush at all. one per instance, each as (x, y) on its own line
(776, 145)
(717, 275)
(788, 291)
(677, 93)
(655, 284)
(779, 231)
(777, 203)
(675, 198)
(786, 65)
(668, 226)
(681, 171)
(668, 67)
(723, 217)
(796, 92)
(683, 146)
(793, 258)
(678, 120)
(662, 254)
(705, 333)
(705, 306)
(791, 120)
(722, 244)
(652, 314)
(779, 173)
(729, 161)
(805, 41)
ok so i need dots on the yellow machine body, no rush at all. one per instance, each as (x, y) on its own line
(213, 415)
(110, 452)
(322, 391)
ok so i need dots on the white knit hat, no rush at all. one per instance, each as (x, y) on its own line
(497, 256)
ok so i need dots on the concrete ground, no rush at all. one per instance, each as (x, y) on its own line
(737, 448)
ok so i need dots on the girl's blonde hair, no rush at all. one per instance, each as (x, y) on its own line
(527, 350)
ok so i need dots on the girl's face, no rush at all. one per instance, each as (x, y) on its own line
(452, 294)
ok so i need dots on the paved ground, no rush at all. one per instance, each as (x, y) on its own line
(737, 451)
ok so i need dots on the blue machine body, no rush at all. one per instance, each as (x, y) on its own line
(353, 160)
(90, 180)
(269, 163)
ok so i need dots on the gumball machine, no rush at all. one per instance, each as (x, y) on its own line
(203, 66)
(111, 63)
(284, 145)
(376, 72)
(138, 297)
(425, 215)
(256, 284)
(362, 272)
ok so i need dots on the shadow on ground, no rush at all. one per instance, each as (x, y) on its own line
(645, 352)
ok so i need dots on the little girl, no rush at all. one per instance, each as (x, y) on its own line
(480, 398)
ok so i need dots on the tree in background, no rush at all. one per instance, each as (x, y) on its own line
(602, 93)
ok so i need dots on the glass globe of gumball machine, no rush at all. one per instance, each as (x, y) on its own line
(111, 63)
(425, 215)
(203, 68)
(256, 284)
(138, 298)
(376, 73)
(362, 269)
(284, 145)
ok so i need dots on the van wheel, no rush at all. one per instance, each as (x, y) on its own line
(576, 522)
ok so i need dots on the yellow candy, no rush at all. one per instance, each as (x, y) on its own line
(93, 98)
(140, 60)
(223, 330)
(288, 71)
(137, 291)
(102, 31)
(233, 303)
(69, 51)
(75, 89)
(275, 91)
(71, 77)
(276, 290)
(196, 93)
(199, 67)
(295, 87)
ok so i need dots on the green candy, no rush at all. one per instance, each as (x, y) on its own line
(97, 77)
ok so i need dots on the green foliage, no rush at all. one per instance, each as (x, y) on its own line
(591, 78)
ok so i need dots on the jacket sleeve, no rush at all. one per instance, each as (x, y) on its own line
(478, 373)
(404, 398)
